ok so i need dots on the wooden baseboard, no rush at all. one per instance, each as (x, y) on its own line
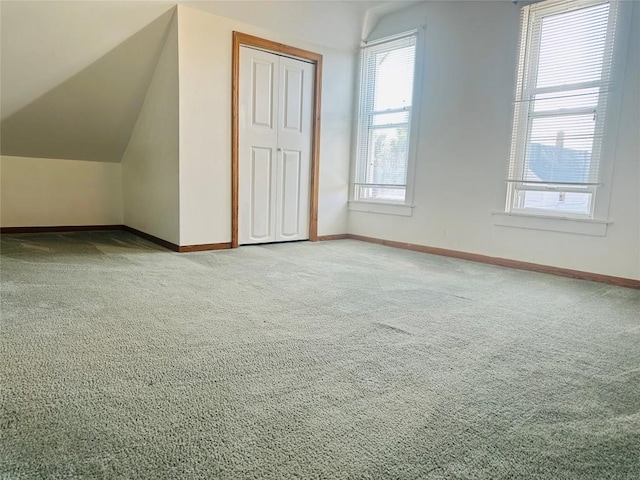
(61, 229)
(504, 262)
(152, 238)
(178, 248)
(91, 228)
(474, 257)
(339, 236)
(126, 228)
(204, 247)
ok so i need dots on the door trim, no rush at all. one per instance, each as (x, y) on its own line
(315, 58)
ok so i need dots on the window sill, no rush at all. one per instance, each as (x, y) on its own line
(597, 228)
(403, 210)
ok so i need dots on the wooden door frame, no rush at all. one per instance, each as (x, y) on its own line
(278, 48)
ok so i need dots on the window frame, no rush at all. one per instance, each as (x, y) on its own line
(386, 206)
(523, 115)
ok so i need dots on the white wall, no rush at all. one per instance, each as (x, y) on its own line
(205, 42)
(52, 192)
(150, 167)
(463, 147)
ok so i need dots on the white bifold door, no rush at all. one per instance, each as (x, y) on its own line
(275, 123)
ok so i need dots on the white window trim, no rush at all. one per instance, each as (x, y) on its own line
(614, 109)
(562, 222)
(386, 207)
(552, 223)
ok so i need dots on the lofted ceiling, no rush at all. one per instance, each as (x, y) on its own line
(74, 74)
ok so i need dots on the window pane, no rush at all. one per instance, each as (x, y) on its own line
(393, 78)
(559, 149)
(390, 118)
(385, 118)
(388, 156)
(568, 202)
(382, 194)
(572, 46)
(563, 81)
(582, 98)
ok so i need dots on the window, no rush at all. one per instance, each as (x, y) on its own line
(562, 90)
(384, 119)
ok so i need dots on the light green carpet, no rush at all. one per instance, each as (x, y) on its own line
(333, 360)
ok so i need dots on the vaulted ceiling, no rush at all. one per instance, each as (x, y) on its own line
(74, 74)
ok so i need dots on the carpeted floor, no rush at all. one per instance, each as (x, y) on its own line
(332, 360)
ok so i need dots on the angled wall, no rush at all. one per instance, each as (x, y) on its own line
(90, 114)
(74, 77)
(150, 165)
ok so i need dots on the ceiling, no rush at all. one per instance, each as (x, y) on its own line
(332, 23)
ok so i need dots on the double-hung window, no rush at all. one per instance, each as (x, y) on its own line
(562, 91)
(384, 120)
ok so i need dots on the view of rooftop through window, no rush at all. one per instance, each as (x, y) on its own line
(565, 86)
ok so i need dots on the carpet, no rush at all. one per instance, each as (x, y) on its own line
(330, 360)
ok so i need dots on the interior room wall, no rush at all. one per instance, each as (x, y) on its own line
(36, 192)
(205, 42)
(150, 165)
(463, 147)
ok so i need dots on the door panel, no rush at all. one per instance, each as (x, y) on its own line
(261, 193)
(290, 185)
(294, 79)
(262, 92)
(258, 139)
(294, 138)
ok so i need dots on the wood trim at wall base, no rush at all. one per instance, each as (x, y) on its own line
(61, 229)
(473, 257)
(152, 238)
(178, 248)
(339, 236)
(94, 228)
(204, 247)
(504, 262)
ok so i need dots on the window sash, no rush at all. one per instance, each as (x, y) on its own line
(371, 183)
(528, 94)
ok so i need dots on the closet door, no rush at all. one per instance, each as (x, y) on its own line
(258, 142)
(275, 132)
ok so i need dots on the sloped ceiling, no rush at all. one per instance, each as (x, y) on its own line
(74, 74)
